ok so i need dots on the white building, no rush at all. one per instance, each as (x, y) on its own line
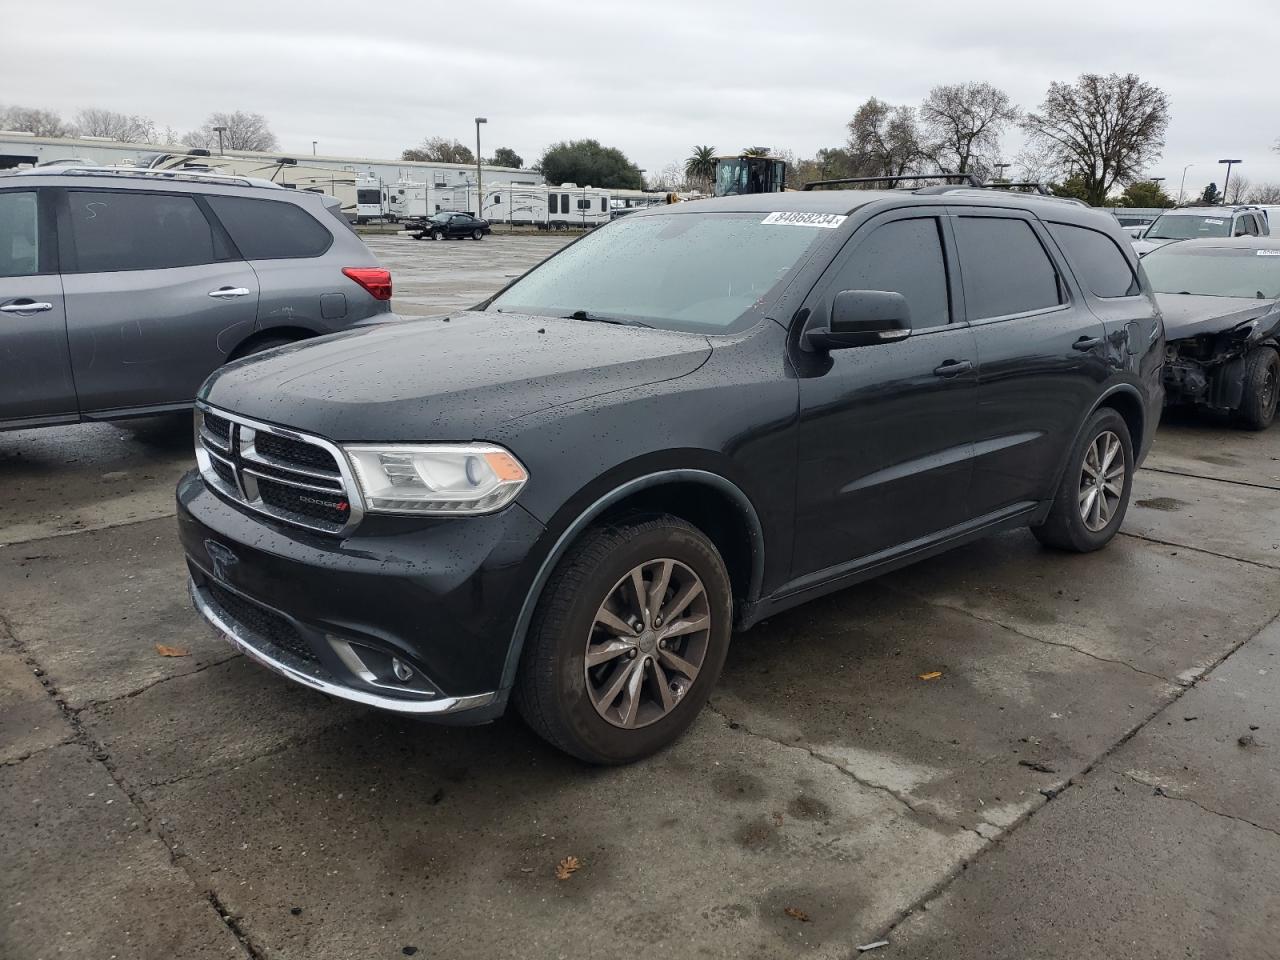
(21, 150)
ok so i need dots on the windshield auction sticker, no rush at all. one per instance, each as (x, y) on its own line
(792, 219)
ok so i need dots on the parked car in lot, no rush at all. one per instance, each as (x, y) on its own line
(684, 422)
(1222, 320)
(1199, 223)
(122, 289)
(450, 225)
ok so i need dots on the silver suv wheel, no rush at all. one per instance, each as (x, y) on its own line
(1102, 481)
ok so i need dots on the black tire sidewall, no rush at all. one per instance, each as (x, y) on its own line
(1254, 414)
(1102, 420)
(594, 738)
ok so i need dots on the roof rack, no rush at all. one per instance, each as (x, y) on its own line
(197, 176)
(969, 180)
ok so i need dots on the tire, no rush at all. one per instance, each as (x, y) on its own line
(437, 235)
(260, 346)
(1066, 527)
(567, 703)
(1261, 388)
(477, 234)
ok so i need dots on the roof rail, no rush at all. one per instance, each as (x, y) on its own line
(969, 180)
(147, 173)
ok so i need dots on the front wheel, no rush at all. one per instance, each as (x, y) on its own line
(437, 234)
(1093, 496)
(627, 640)
(1261, 388)
(477, 234)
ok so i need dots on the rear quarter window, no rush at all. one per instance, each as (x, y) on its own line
(1097, 260)
(271, 229)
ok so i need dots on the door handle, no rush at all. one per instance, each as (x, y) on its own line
(29, 306)
(953, 368)
(1086, 343)
(229, 293)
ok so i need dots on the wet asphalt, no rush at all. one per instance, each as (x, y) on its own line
(1092, 773)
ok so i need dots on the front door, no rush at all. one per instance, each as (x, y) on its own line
(156, 297)
(35, 372)
(1041, 355)
(885, 430)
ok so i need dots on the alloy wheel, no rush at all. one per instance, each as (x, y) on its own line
(1102, 479)
(647, 643)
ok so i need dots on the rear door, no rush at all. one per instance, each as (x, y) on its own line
(35, 370)
(156, 296)
(885, 431)
(1041, 354)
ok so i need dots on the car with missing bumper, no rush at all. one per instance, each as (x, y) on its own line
(1222, 320)
(695, 417)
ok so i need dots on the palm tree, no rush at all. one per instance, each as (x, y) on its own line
(755, 151)
(701, 166)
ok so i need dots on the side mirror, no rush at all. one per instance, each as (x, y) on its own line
(862, 318)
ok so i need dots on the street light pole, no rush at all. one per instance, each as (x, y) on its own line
(479, 175)
(1227, 181)
(313, 147)
(220, 130)
(1183, 186)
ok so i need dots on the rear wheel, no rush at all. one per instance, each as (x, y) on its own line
(477, 234)
(627, 640)
(1261, 388)
(437, 234)
(1094, 494)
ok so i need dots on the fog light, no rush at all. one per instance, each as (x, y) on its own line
(403, 672)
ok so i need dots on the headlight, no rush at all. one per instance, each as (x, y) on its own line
(442, 479)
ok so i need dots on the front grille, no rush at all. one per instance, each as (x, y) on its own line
(331, 508)
(261, 622)
(294, 478)
(290, 451)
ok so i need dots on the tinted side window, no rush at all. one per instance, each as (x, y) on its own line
(124, 230)
(904, 257)
(1097, 260)
(270, 229)
(19, 235)
(1006, 270)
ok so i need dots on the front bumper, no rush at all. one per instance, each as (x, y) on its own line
(438, 596)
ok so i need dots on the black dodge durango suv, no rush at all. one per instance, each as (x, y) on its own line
(686, 421)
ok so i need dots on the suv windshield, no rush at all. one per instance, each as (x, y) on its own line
(696, 272)
(1215, 272)
(1181, 226)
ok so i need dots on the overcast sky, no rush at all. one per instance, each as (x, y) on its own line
(653, 78)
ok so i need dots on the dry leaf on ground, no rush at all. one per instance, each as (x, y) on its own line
(566, 867)
(165, 651)
(795, 913)
(934, 675)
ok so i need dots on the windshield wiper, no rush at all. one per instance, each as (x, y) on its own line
(601, 318)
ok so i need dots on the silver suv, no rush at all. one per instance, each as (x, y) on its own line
(1198, 223)
(121, 290)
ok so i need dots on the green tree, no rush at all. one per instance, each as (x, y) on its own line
(755, 151)
(1074, 187)
(1143, 193)
(506, 157)
(700, 167)
(589, 164)
(1105, 130)
(1210, 194)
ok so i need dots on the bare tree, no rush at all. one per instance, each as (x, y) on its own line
(1106, 130)
(961, 125)
(883, 139)
(671, 179)
(440, 150)
(1264, 193)
(1239, 188)
(96, 122)
(42, 123)
(243, 131)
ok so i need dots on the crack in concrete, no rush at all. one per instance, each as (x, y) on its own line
(1031, 636)
(81, 737)
(1184, 546)
(155, 683)
(1160, 791)
(918, 810)
(93, 528)
(14, 761)
(1202, 476)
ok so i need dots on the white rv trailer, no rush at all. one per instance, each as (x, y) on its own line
(284, 170)
(371, 200)
(570, 205)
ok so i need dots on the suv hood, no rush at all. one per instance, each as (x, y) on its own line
(1190, 315)
(447, 378)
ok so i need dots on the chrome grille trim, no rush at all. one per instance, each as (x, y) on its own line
(239, 453)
